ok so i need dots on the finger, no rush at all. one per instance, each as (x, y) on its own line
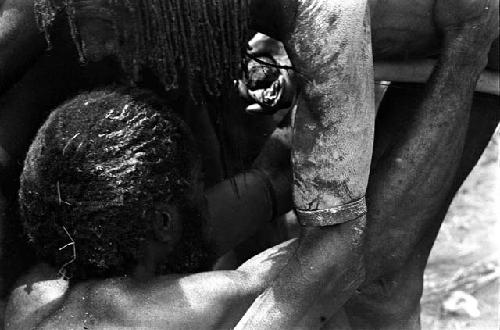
(259, 109)
(281, 95)
(243, 90)
(262, 44)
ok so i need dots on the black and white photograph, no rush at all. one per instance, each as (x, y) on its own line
(249, 164)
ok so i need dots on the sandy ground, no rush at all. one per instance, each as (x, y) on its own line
(468, 244)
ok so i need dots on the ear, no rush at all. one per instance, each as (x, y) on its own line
(163, 226)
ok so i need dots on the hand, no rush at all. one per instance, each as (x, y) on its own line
(274, 159)
(274, 162)
(455, 13)
(271, 96)
(261, 44)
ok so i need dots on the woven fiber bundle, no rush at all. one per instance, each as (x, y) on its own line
(193, 44)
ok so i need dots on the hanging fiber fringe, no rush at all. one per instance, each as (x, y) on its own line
(196, 45)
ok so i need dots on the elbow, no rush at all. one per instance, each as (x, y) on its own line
(338, 250)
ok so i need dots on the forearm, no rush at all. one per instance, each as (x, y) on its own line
(419, 71)
(20, 39)
(408, 186)
(404, 29)
(333, 132)
(321, 275)
(237, 208)
(23, 107)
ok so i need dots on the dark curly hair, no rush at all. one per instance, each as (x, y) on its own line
(97, 167)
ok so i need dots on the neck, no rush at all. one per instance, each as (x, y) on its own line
(144, 272)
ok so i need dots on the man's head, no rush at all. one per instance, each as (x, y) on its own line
(113, 171)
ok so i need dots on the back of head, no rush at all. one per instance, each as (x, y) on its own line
(98, 167)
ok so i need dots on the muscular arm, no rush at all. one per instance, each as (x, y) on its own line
(332, 150)
(200, 301)
(238, 207)
(419, 71)
(411, 181)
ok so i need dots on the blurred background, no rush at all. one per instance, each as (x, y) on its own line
(461, 283)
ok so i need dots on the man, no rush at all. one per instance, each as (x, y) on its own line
(281, 29)
(425, 147)
(57, 75)
(354, 310)
(111, 197)
(346, 138)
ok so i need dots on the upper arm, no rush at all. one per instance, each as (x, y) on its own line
(32, 301)
(334, 124)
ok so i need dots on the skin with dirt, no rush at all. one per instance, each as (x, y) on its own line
(278, 28)
(393, 207)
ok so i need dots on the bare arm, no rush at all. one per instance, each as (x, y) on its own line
(419, 71)
(211, 300)
(20, 39)
(333, 134)
(410, 183)
(18, 45)
(238, 207)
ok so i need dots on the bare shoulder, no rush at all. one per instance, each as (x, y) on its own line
(34, 297)
(204, 300)
(42, 300)
(95, 305)
(211, 300)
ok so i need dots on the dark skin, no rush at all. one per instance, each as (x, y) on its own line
(463, 135)
(226, 300)
(402, 209)
(447, 99)
(19, 120)
(54, 77)
(212, 300)
(424, 139)
(223, 298)
(308, 233)
(19, 42)
(390, 299)
(400, 215)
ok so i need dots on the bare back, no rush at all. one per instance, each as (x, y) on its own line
(210, 300)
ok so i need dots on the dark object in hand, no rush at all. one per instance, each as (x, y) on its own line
(261, 76)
